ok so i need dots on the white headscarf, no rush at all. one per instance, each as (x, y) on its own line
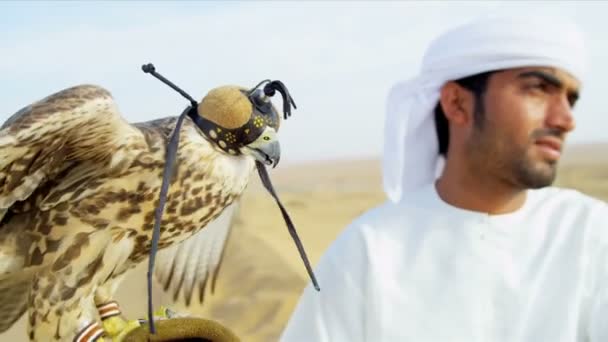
(411, 156)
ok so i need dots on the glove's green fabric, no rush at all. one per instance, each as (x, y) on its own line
(182, 329)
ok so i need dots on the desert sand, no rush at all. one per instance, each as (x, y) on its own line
(262, 275)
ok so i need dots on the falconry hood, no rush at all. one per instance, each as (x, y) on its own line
(237, 121)
(244, 121)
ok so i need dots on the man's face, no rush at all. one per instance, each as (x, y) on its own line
(527, 113)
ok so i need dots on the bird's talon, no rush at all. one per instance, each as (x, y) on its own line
(166, 313)
(128, 327)
(114, 325)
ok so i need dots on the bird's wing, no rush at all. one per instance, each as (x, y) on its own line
(14, 294)
(191, 264)
(43, 141)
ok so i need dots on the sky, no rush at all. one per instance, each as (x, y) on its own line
(338, 59)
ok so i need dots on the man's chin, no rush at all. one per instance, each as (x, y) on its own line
(541, 175)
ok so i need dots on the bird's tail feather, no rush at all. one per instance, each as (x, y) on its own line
(14, 294)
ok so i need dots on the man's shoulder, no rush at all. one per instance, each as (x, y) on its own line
(385, 212)
(387, 222)
(572, 210)
(389, 217)
(389, 213)
(572, 199)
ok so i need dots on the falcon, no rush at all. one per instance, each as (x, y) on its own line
(79, 187)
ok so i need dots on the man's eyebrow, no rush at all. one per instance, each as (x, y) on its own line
(552, 80)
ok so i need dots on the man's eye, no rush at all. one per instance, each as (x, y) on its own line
(542, 86)
(572, 100)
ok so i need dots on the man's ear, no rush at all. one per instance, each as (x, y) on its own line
(457, 103)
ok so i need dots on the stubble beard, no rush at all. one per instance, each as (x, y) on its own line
(493, 155)
(534, 174)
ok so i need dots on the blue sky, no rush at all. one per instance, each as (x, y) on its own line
(337, 58)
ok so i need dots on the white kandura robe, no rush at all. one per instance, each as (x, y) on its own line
(427, 271)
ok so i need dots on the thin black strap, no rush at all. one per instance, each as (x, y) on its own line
(197, 119)
(150, 69)
(164, 188)
(292, 230)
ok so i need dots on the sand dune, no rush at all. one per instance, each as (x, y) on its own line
(262, 275)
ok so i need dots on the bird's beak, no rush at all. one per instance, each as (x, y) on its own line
(269, 153)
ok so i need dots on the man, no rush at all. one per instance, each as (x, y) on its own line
(486, 251)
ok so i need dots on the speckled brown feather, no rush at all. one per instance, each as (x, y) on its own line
(79, 186)
(186, 266)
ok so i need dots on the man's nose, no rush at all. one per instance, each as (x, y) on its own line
(561, 115)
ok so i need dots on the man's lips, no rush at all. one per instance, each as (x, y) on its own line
(550, 146)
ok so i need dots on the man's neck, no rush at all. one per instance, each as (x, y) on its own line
(468, 191)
